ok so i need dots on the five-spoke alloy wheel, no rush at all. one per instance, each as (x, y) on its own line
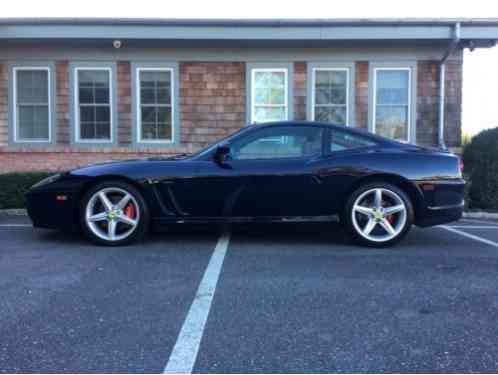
(114, 213)
(379, 214)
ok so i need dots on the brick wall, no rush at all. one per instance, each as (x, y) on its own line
(427, 102)
(212, 105)
(300, 91)
(124, 104)
(453, 104)
(4, 105)
(212, 101)
(361, 94)
(63, 131)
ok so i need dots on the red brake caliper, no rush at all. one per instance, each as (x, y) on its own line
(130, 210)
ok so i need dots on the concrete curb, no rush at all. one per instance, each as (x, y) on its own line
(14, 212)
(481, 215)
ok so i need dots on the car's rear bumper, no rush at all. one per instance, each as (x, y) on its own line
(441, 215)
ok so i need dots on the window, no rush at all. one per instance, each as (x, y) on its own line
(293, 142)
(330, 95)
(392, 103)
(32, 105)
(269, 95)
(155, 104)
(340, 141)
(94, 107)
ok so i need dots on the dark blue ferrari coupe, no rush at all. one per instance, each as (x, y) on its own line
(275, 172)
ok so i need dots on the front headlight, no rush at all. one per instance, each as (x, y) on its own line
(47, 180)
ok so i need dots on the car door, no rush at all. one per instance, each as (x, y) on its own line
(279, 166)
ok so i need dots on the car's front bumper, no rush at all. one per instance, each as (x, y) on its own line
(50, 210)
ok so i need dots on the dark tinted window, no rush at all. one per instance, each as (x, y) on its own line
(345, 141)
(279, 142)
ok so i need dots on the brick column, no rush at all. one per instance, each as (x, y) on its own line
(63, 131)
(4, 105)
(427, 102)
(453, 104)
(361, 94)
(124, 122)
(300, 90)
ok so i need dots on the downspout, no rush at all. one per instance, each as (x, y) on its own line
(442, 77)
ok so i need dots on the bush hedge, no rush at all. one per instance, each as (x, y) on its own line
(480, 159)
(13, 186)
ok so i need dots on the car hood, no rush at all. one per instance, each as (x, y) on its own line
(133, 168)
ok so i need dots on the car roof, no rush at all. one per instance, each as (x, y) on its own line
(358, 131)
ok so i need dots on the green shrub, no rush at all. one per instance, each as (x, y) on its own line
(480, 158)
(13, 186)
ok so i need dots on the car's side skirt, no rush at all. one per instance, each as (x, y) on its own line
(237, 219)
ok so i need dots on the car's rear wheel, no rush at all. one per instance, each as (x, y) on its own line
(114, 213)
(378, 214)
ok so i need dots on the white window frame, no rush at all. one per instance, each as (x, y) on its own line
(253, 92)
(49, 103)
(139, 104)
(409, 103)
(77, 106)
(313, 80)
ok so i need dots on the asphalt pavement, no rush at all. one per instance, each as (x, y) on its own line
(260, 298)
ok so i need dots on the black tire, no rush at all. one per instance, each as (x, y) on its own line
(347, 215)
(141, 228)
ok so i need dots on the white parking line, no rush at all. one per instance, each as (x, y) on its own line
(184, 353)
(476, 221)
(468, 235)
(473, 226)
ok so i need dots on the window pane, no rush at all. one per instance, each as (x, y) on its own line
(392, 87)
(262, 96)
(269, 90)
(392, 122)
(277, 96)
(280, 142)
(103, 130)
(87, 114)
(345, 141)
(330, 87)
(33, 122)
(102, 95)
(155, 87)
(86, 95)
(156, 123)
(93, 78)
(93, 86)
(102, 114)
(264, 114)
(95, 114)
(32, 86)
(148, 114)
(148, 96)
(335, 115)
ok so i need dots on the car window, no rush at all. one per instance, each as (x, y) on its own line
(279, 142)
(345, 141)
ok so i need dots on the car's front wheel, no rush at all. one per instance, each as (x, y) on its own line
(114, 213)
(378, 214)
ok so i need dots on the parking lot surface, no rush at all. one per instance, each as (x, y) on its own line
(260, 298)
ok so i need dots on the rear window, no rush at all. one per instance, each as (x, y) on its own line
(345, 141)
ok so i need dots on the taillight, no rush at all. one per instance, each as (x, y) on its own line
(460, 163)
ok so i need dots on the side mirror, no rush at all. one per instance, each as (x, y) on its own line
(221, 154)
